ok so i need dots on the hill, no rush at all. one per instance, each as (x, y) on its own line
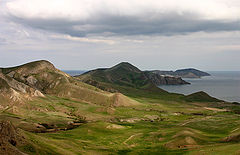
(183, 73)
(122, 74)
(40, 78)
(68, 116)
(201, 97)
(125, 74)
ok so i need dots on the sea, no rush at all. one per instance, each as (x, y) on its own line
(223, 85)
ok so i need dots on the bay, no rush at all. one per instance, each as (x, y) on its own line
(223, 85)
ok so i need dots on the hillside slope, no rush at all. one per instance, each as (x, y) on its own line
(122, 74)
(40, 78)
(125, 74)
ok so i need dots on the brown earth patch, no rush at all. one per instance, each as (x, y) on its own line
(10, 138)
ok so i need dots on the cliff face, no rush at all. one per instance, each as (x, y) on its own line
(165, 80)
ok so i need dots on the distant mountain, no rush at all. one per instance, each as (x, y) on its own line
(183, 73)
(125, 74)
(191, 72)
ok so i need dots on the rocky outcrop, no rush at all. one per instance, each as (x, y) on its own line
(165, 79)
(8, 83)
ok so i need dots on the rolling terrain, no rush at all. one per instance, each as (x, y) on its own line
(46, 111)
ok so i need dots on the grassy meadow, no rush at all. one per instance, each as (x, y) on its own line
(156, 126)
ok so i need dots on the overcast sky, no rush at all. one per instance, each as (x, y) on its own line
(151, 34)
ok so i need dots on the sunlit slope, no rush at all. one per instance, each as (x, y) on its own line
(42, 78)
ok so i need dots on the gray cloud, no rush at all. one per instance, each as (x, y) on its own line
(106, 25)
(147, 37)
(85, 18)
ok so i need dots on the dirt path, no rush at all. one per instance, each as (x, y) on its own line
(131, 137)
(215, 109)
(194, 120)
(235, 130)
(186, 123)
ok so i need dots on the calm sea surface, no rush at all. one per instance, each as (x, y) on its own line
(224, 85)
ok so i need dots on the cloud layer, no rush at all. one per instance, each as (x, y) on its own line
(85, 34)
(81, 18)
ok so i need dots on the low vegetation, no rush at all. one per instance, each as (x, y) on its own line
(132, 120)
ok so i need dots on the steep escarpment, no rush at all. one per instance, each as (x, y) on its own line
(164, 79)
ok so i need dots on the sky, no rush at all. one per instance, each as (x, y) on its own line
(151, 34)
